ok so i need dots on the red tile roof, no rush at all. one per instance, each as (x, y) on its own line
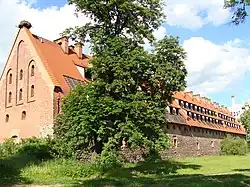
(206, 103)
(57, 63)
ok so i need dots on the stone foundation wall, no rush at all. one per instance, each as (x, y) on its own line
(184, 141)
(193, 141)
(192, 146)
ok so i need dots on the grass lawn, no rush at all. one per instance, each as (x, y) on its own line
(213, 171)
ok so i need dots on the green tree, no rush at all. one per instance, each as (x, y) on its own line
(245, 119)
(131, 87)
(239, 9)
(135, 19)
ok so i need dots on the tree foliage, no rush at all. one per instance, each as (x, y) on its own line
(239, 9)
(131, 87)
(233, 146)
(245, 119)
(135, 19)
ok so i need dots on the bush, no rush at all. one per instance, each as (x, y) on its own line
(41, 148)
(37, 147)
(8, 148)
(233, 146)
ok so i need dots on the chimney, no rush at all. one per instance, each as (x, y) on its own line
(63, 42)
(233, 102)
(78, 49)
(197, 96)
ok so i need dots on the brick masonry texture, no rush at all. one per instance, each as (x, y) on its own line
(39, 109)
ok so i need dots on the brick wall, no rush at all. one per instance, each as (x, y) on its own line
(190, 141)
(39, 108)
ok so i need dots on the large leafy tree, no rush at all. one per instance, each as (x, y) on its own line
(239, 9)
(131, 87)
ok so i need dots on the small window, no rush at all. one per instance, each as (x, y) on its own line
(174, 127)
(21, 75)
(20, 94)
(7, 118)
(32, 91)
(212, 144)
(10, 79)
(23, 115)
(10, 97)
(32, 71)
(198, 146)
(174, 142)
(14, 137)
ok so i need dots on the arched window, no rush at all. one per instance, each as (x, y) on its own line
(23, 115)
(20, 94)
(21, 75)
(32, 71)
(7, 117)
(10, 97)
(32, 91)
(10, 78)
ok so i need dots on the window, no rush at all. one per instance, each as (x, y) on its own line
(32, 71)
(212, 144)
(174, 127)
(21, 75)
(14, 137)
(7, 118)
(174, 142)
(32, 91)
(10, 79)
(23, 115)
(10, 97)
(198, 146)
(20, 94)
(190, 106)
(167, 126)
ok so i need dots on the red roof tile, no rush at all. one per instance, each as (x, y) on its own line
(206, 103)
(57, 63)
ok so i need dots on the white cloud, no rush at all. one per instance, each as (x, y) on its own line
(48, 22)
(194, 14)
(213, 67)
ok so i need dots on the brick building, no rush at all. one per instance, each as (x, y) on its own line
(196, 125)
(39, 72)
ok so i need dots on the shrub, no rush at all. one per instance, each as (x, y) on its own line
(108, 160)
(41, 148)
(233, 146)
(8, 148)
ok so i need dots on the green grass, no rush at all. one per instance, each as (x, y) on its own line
(213, 171)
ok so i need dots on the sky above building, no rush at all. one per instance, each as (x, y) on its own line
(218, 53)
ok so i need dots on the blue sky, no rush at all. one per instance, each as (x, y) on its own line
(218, 55)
